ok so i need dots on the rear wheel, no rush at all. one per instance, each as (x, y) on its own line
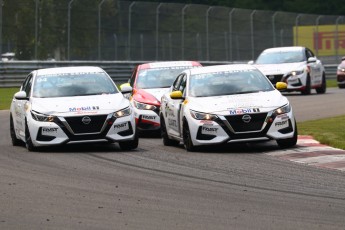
(132, 144)
(322, 88)
(187, 138)
(289, 142)
(166, 140)
(15, 140)
(307, 89)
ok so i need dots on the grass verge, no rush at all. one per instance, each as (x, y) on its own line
(328, 131)
(6, 95)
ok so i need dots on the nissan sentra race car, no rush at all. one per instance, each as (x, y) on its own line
(226, 104)
(295, 65)
(149, 82)
(68, 105)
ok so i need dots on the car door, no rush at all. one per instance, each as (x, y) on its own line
(173, 107)
(314, 67)
(20, 106)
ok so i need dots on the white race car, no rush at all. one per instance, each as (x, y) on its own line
(295, 65)
(149, 82)
(226, 104)
(66, 105)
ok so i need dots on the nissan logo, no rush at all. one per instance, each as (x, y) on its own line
(246, 118)
(86, 120)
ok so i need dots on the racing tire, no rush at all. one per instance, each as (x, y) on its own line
(322, 88)
(164, 134)
(307, 89)
(132, 144)
(289, 142)
(28, 141)
(15, 140)
(187, 139)
(341, 86)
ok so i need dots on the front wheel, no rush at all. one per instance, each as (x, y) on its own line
(187, 138)
(307, 89)
(289, 142)
(132, 144)
(28, 141)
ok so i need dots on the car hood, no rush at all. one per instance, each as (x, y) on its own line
(275, 69)
(95, 104)
(239, 103)
(150, 96)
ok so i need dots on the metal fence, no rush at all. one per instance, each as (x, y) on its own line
(136, 30)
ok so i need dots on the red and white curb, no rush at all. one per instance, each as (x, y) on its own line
(311, 152)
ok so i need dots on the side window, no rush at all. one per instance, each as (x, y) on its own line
(27, 85)
(183, 83)
(132, 79)
(309, 53)
(177, 81)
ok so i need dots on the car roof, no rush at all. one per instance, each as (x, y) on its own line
(73, 69)
(222, 68)
(153, 65)
(284, 49)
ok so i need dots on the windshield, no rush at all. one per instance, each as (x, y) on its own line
(73, 84)
(158, 77)
(228, 83)
(280, 57)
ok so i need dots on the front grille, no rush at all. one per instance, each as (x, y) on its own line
(79, 127)
(255, 124)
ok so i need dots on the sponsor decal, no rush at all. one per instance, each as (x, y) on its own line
(121, 127)
(172, 122)
(281, 124)
(83, 108)
(242, 111)
(283, 117)
(209, 130)
(146, 117)
(46, 130)
(206, 122)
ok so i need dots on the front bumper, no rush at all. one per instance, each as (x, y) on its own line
(147, 119)
(230, 129)
(68, 130)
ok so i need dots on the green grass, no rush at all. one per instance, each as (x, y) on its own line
(329, 131)
(6, 95)
(331, 83)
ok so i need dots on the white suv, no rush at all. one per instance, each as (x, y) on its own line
(295, 65)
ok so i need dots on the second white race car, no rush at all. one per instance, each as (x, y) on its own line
(226, 104)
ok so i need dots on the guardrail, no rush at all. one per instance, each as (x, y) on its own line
(12, 73)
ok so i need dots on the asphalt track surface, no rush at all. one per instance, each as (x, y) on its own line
(158, 187)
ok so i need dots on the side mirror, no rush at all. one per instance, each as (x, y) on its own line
(176, 95)
(251, 62)
(21, 95)
(281, 86)
(311, 59)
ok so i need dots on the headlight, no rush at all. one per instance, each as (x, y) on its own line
(297, 72)
(144, 106)
(285, 109)
(122, 113)
(341, 68)
(203, 116)
(42, 117)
